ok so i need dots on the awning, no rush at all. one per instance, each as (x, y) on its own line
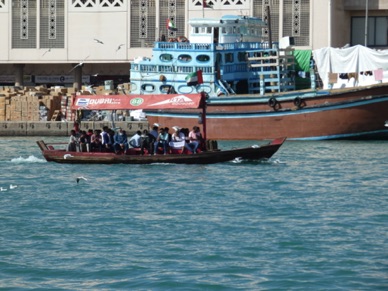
(133, 102)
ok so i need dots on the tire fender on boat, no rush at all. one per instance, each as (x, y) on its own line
(298, 101)
(272, 102)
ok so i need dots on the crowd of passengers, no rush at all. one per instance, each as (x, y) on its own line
(157, 141)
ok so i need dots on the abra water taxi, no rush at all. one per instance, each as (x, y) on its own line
(53, 152)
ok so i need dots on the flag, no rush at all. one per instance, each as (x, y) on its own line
(194, 79)
(171, 25)
(205, 5)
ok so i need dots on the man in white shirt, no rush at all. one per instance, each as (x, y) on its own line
(135, 141)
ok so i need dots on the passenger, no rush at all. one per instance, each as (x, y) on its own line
(135, 140)
(195, 139)
(178, 135)
(147, 142)
(95, 141)
(73, 141)
(106, 139)
(155, 130)
(89, 139)
(178, 139)
(76, 128)
(83, 141)
(161, 141)
(120, 142)
(167, 131)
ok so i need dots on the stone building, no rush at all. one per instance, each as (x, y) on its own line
(88, 41)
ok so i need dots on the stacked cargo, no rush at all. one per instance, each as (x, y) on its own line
(45, 104)
(29, 103)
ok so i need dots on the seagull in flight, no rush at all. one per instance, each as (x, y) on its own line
(49, 50)
(67, 156)
(98, 41)
(119, 47)
(80, 64)
(81, 178)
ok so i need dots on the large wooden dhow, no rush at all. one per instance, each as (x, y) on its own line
(250, 84)
(349, 113)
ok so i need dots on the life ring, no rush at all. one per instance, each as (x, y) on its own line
(298, 101)
(272, 102)
(182, 39)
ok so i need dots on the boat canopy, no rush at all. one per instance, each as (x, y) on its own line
(133, 102)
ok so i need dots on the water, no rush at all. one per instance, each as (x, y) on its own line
(314, 217)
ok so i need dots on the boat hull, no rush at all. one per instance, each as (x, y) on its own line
(254, 153)
(346, 114)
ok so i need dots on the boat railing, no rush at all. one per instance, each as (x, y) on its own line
(213, 46)
(184, 46)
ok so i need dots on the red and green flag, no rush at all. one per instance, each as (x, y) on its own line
(194, 79)
(171, 25)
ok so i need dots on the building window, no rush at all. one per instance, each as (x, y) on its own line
(23, 24)
(377, 31)
(52, 24)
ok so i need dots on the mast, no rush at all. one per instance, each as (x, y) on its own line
(366, 23)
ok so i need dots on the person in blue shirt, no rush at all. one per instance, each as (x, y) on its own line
(161, 141)
(120, 144)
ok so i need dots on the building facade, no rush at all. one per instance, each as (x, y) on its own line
(44, 40)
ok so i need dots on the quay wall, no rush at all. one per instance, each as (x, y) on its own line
(60, 128)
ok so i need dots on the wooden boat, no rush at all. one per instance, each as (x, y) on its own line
(250, 85)
(209, 154)
(351, 113)
(254, 153)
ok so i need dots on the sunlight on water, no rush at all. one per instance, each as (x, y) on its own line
(313, 217)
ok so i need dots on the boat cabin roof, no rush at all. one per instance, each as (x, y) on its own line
(227, 20)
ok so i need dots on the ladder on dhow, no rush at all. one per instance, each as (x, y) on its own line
(56, 115)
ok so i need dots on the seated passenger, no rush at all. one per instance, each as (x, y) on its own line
(106, 139)
(195, 139)
(135, 141)
(95, 141)
(161, 141)
(147, 142)
(178, 139)
(120, 144)
(154, 130)
(73, 141)
(83, 141)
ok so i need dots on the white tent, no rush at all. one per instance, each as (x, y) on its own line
(354, 61)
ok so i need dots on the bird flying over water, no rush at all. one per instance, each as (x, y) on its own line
(49, 50)
(119, 47)
(98, 41)
(80, 64)
(81, 178)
